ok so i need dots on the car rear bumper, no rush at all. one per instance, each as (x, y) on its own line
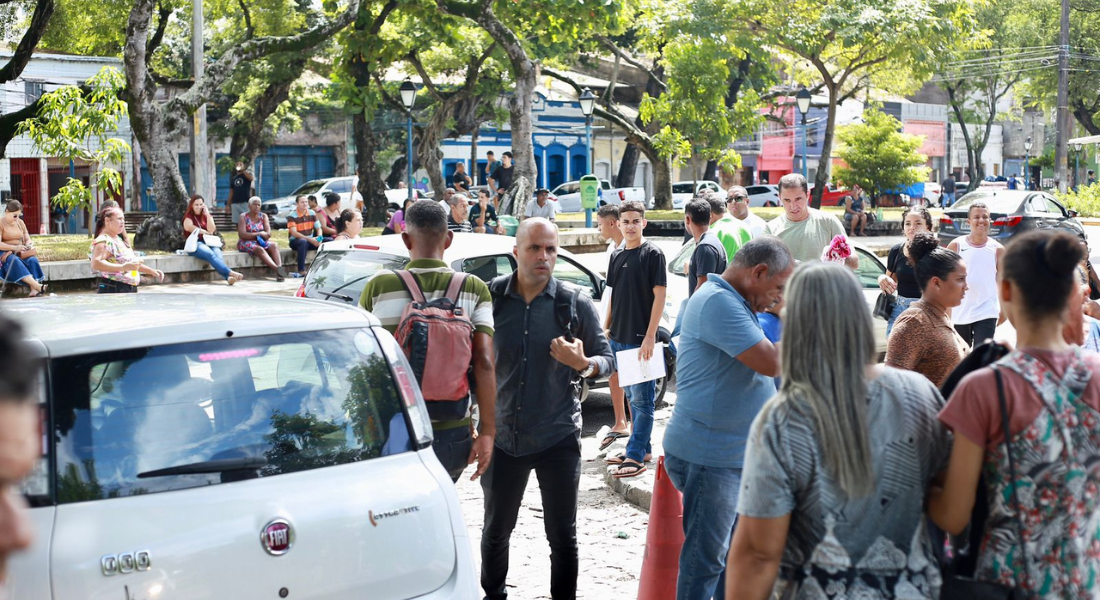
(463, 583)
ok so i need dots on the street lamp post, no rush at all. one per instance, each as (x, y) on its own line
(588, 105)
(1077, 164)
(408, 98)
(803, 100)
(1027, 162)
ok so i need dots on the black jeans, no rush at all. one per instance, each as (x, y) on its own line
(452, 448)
(977, 332)
(558, 469)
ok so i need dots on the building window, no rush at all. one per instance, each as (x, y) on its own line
(33, 91)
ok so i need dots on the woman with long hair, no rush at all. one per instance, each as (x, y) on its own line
(116, 266)
(900, 279)
(1044, 489)
(18, 257)
(838, 461)
(923, 339)
(198, 217)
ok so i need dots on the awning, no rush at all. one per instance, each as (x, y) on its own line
(1092, 139)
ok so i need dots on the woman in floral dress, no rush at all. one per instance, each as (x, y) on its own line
(254, 237)
(1054, 429)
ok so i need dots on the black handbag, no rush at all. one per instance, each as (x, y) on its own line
(884, 306)
(956, 587)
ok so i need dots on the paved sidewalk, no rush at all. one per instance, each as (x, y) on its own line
(636, 490)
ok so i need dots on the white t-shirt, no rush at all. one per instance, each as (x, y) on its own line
(605, 300)
(547, 212)
(981, 301)
(755, 224)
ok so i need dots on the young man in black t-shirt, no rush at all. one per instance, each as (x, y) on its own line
(709, 255)
(637, 274)
(501, 179)
(460, 181)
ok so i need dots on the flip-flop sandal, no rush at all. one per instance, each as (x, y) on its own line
(628, 469)
(611, 437)
(618, 460)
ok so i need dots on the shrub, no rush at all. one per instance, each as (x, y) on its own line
(1085, 200)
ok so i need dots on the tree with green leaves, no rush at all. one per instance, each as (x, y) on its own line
(854, 43)
(157, 125)
(75, 123)
(877, 156)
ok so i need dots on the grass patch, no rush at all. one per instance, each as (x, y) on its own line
(78, 246)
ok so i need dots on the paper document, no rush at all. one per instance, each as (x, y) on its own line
(633, 370)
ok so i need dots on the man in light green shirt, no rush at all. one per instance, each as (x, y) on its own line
(730, 231)
(807, 231)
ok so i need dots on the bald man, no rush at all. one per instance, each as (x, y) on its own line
(548, 337)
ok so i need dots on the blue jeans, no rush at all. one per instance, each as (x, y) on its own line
(710, 515)
(15, 269)
(212, 256)
(302, 247)
(947, 200)
(641, 397)
(900, 304)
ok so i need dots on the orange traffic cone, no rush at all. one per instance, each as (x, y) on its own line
(663, 540)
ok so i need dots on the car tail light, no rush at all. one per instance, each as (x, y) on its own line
(946, 220)
(410, 392)
(622, 195)
(301, 293)
(364, 247)
(1008, 221)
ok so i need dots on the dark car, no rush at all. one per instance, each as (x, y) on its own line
(1012, 212)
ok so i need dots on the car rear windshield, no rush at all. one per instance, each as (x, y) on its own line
(345, 272)
(310, 187)
(997, 203)
(183, 416)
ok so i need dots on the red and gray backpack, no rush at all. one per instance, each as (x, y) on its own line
(437, 333)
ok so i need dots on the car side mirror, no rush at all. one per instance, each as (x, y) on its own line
(1072, 214)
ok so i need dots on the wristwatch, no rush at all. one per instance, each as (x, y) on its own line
(590, 371)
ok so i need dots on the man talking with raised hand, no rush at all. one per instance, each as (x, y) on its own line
(548, 337)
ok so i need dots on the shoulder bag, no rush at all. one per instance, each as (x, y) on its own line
(884, 306)
(956, 587)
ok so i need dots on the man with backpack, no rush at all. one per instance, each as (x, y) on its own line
(443, 319)
(549, 338)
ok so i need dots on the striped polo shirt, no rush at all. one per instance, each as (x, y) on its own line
(385, 297)
(305, 224)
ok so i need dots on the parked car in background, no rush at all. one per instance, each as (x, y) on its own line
(833, 196)
(1012, 211)
(279, 209)
(764, 194)
(341, 270)
(223, 447)
(684, 191)
(870, 267)
(568, 195)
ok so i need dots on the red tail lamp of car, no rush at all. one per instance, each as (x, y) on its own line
(1008, 221)
(301, 293)
(945, 220)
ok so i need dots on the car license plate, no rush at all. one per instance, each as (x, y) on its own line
(964, 225)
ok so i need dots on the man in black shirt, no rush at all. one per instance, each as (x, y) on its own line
(542, 352)
(460, 181)
(501, 179)
(637, 274)
(709, 255)
(240, 190)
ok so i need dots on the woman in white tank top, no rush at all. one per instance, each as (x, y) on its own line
(980, 311)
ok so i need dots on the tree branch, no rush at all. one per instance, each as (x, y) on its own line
(217, 73)
(37, 28)
(394, 102)
(608, 111)
(184, 83)
(249, 31)
(474, 69)
(414, 60)
(632, 62)
(163, 14)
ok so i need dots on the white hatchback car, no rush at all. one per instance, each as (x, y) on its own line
(232, 447)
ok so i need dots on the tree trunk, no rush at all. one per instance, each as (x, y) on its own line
(971, 158)
(710, 171)
(475, 173)
(1086, 118)
(824, 164)
(250, 136)
(628, 166)
(370, 177)
(662, 181)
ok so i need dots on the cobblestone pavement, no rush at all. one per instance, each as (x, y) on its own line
(610, 532)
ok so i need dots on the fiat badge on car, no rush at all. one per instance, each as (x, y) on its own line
(277, 537)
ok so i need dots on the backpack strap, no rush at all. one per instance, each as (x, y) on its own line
(454, 288)
(412, 286)
(565, 306)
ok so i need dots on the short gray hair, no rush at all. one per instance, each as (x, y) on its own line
(255, 200)
(454, 200)
(766, 250)
(793, 180)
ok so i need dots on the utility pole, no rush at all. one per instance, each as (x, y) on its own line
(199, 167)
(1062, 124)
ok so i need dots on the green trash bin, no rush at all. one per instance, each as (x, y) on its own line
(509, 223)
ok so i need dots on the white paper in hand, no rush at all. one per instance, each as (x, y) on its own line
(633, 369)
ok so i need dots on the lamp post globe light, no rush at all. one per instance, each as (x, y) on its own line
(1027, 162)
(588, 105)
(802, 99)
(408, 98)
(1077, 164)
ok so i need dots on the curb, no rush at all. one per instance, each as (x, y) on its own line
(636, 490)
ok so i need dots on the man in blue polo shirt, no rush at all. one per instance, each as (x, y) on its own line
(724, 372)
